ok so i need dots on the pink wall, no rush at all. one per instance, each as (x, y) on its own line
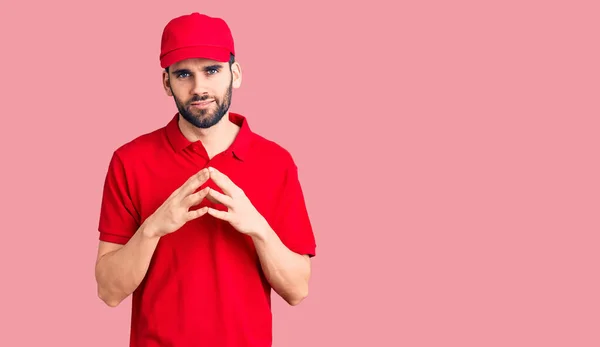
(449, 154)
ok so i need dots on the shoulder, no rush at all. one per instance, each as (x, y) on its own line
(272, 152)
(142, 147)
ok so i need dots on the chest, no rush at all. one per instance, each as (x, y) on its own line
(154, 187)
(207, 242)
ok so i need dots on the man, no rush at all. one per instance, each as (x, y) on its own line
(202, 217)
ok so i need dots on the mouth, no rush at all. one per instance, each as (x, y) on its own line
(201, 104)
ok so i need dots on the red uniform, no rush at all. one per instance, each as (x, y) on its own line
(205, 285)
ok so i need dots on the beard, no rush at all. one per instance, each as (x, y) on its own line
(204, 118)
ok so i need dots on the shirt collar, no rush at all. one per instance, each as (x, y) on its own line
(239, 147)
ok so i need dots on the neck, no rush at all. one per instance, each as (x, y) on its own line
(215, 139)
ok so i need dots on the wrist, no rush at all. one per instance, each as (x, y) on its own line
(149, 230)
(262, 232)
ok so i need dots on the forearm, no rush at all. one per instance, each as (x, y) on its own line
(120, 272)
(287, 272)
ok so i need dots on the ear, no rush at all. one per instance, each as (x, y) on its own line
(236, 70)
(166, 83)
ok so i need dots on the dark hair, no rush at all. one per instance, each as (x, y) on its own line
(231, 61)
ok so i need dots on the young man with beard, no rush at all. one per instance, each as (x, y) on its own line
(201, 218)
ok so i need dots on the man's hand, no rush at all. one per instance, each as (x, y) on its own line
(175, 211)
(241, 214)
(287, 272)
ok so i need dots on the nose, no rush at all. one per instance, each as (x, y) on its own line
(199, 87)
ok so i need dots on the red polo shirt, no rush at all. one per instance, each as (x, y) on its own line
(205, 285)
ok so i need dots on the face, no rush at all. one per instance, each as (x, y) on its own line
(202, 89)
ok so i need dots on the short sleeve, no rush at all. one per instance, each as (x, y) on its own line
(293, 225)
(118, 217)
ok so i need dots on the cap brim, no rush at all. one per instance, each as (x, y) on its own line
(206, 52)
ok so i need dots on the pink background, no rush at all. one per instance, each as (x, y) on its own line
(449, 154)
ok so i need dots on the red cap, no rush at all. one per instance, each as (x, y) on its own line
(195, 36)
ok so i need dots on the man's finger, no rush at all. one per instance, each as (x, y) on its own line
(194, 182)
(196, 198)
(217, 197)
(196, 213)
(211, 199)
(222, 181)
(226, 216)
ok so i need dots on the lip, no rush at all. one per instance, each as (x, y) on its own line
(202, 104)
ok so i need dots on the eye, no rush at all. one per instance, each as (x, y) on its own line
(212, 71)
(182, 75)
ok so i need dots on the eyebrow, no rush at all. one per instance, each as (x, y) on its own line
(213, 67)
